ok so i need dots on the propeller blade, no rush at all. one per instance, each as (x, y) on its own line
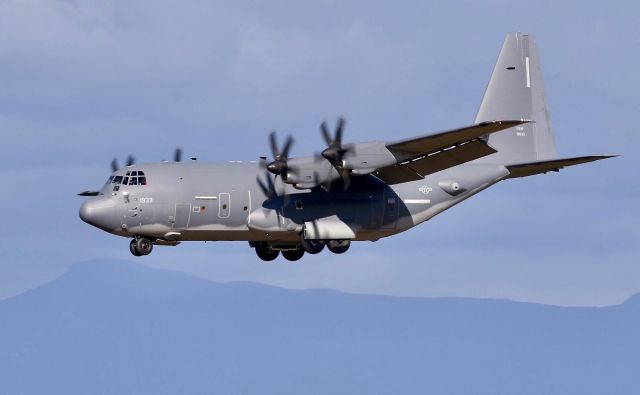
(262, 186)
(272, 186)
(287, 147)
(177, 155)
(275, 150)
(130, 160)
(339, 129)
(114, 165)
(325, 133)
(268, 188)
(346, 180)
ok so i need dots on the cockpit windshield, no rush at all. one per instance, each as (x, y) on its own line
(135, 177)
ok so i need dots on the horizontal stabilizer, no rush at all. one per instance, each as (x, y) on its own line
(539, 167)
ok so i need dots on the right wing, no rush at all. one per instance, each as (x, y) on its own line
(420, 156)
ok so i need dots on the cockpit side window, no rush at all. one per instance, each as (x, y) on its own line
(110, 180)
(117, 180)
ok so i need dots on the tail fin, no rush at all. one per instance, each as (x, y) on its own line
(516, 91)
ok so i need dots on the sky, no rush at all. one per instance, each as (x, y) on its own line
(84, 82)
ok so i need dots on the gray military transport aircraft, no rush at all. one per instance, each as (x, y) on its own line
(349, 192)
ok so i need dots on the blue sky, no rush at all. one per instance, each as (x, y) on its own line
(83, 82)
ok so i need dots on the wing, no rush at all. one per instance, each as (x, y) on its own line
(532, 168)
(89, 193)
(420, 156)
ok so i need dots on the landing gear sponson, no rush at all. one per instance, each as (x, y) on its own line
(293, 252)
(141, 246)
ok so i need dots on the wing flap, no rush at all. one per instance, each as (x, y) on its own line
(545, 166)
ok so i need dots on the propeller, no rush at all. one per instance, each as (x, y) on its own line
(279, 164)
(335, 152)
(177, 155)
(268, 188)
(114, 163)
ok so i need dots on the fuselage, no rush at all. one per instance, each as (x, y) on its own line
(209, 202)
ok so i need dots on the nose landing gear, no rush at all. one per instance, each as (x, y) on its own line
(141, 246)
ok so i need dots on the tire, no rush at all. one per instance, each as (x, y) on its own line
(133, 248)
(338, 246)
(312, 246)
(144, 246)
(293, 255)
(265, 252)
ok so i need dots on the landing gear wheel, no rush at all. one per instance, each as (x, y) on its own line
(293, 255)
(338, 246)
(266, 253)
(133, 248)
(144, 246)
(312, 246)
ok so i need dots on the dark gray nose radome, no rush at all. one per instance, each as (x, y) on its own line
(99, 213)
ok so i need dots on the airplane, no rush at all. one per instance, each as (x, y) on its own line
(348, 192)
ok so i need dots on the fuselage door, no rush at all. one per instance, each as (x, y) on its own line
(181, 218)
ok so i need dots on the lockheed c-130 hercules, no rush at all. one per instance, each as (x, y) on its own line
(349, 192)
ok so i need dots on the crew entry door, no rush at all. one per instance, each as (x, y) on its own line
(181, 218)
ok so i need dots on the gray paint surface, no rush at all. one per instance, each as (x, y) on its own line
(308, 197)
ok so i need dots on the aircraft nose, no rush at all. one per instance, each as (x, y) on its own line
(99, 213)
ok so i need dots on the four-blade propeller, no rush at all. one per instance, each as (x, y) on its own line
(114, 163)
(279, 164)
(177, 157)
(335, 152)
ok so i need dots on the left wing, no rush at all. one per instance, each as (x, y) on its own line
(89, 193)
(420, 156)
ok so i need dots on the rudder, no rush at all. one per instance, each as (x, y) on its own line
(516, 91)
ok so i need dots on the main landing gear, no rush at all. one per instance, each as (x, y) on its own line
(269, 252)
(141, 246)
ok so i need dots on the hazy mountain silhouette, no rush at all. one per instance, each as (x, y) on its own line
(109, 327)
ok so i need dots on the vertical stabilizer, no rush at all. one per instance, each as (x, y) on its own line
(516, 91)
